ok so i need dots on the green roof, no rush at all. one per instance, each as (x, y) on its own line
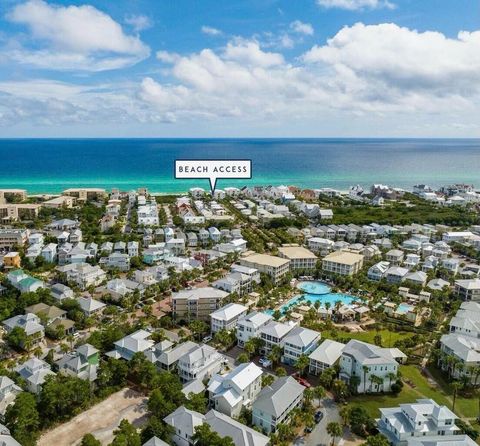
(17, 272)
(28, 281)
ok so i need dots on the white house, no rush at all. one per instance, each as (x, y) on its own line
(225, 318)
(249, 326)
(201, 362)
(325, 356)
(239, 388)
(423, 420)
(275, 402)
(299, 341)
(364, 361)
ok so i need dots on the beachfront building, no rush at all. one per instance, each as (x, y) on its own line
(423, 420)
(275, 267)
(249, 326)
(226, 318)
(300, 257)
(275, 402)
(235, 390)
(375, 368)
(86, 194)
(196, 303)
(343, 263)
(326, 355)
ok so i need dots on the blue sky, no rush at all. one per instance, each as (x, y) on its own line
(273, 68)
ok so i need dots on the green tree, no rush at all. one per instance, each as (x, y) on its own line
(18, 339)
(376, 440)
(204, 436)
(23, 420)
(302, 364)
(334, 430)
(197, 402)
(61, 396)
(90, 440)
(126, 435)
(242, 358)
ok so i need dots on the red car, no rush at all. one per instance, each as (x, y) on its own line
(302, 381)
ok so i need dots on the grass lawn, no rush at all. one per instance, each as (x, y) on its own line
(388, 337)
(465, 408)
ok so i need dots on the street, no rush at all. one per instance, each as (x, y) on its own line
(319, 436)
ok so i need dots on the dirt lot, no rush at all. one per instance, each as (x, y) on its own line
(100, 420)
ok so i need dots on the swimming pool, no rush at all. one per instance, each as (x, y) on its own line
(315, 292)
(404, 308)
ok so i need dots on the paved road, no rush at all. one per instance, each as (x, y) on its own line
(319, 436)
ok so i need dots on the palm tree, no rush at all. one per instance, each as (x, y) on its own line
(302, 363)
(319, 393)
(354, 383)
(455, 387)
(476, 373)
(334, 430)
(391, 376)
(365, 371)
(249, 347)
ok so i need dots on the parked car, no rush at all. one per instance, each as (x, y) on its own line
(308, 430)
(207, 339)
(265, 362)
(301, 380)
(318, 416)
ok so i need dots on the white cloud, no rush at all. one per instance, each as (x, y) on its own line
(74, 38)
(211, 31)
(248, 52)
(369, 78)
(354, 5)
(302, 28)
(139, 22)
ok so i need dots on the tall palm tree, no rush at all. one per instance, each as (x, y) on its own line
(365, 371)
(334, 430)
(391, 376)
(456, 386)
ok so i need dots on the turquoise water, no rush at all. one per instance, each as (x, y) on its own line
(315, 292)
(404, 308)
(51, 165)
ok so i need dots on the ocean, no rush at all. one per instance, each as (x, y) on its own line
(51, 165)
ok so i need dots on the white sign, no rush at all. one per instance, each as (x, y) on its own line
(213, 170)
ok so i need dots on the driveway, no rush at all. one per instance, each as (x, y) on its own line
(100, 420)
(319, 436)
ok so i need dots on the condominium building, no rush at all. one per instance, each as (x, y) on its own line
(9, 238)
(300, 257)
(15, 212)
(86, 194)
(343, 263)
(197, 303)
(275, 267)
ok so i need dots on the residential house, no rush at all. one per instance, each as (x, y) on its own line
(468, 289)
(81, 363)
(395, 256)
(225, 318)
(83, 274)
(378, 271)
(59, 291)
(199, 363)
(90, 306)
(249, 326)
(32, 326)
(298, 342)
(8, 393)
(275, 402)
(422, 421)
(235, 390)
(272, 334)
(374, 367)
(326, 355)
(136, 342)
(34, 372)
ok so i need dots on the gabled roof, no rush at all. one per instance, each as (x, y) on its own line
(301, 337)
(241, 435)
(184, 419)
(277, 397)
(328, 352)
